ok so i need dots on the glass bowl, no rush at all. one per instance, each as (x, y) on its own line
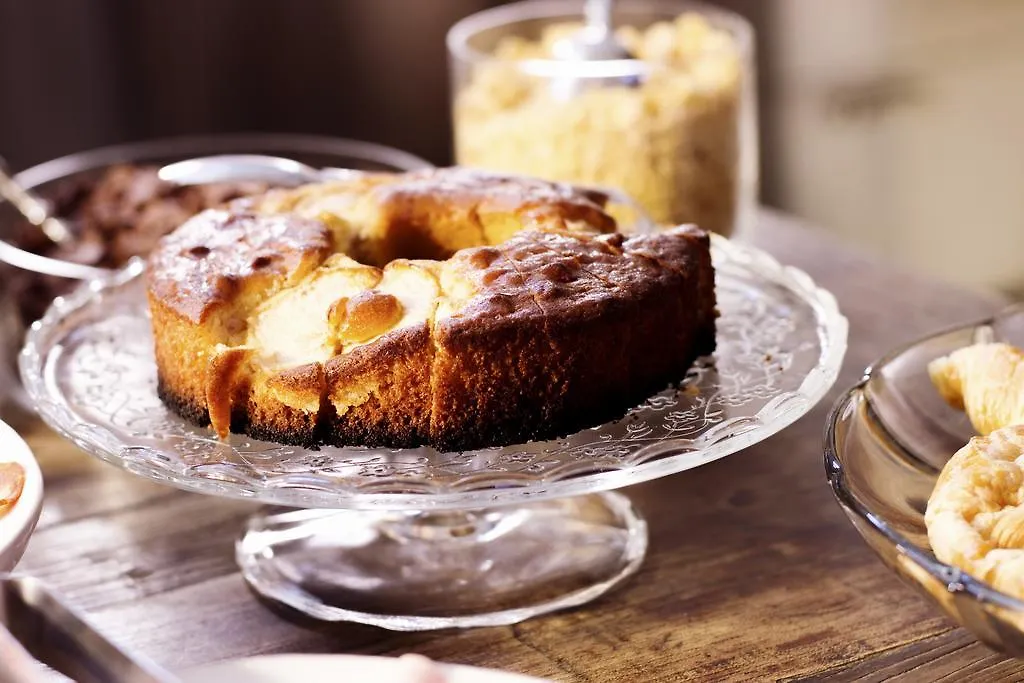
(675, 130)
(886, 441)
(50, 178)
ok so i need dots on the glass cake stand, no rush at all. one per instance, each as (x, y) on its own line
(416, 539)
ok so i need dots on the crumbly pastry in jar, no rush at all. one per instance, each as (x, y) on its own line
(448, 308)
(12, 482)
(671, 143)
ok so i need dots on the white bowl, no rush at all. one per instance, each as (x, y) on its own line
(17, 525)
(335, 668)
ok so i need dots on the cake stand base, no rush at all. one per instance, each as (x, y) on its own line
(412, 571)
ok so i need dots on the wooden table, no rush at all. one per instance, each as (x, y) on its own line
(753, 571)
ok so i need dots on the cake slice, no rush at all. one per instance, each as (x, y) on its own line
(204, 282)
(491, 379)
(379, 386)
(621, 323)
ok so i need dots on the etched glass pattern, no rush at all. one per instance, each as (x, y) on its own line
(88, 366)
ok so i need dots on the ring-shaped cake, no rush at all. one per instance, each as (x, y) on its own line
(448, 307)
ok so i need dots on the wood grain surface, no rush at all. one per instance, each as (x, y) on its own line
(753, 571)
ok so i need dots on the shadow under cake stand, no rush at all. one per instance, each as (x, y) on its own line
(416, 539)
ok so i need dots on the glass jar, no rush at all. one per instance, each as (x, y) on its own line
(675, 127)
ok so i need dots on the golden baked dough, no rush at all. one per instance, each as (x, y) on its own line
(451, 308)
(12, 483)
(975, 515)
(984, 380)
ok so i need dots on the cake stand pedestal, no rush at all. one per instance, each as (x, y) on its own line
(425, 570)
(416, 539)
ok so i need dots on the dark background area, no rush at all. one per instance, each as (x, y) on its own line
(77, 74)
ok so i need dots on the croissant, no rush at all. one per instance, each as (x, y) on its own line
(986, 381)
(975, 515)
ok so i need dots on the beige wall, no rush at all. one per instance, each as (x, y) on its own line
(900, 125)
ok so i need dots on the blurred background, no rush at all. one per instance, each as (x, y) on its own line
(895, 125)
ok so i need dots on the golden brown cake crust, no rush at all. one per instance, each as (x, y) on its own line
(205, 261)
(470, 192)
(397, 373)
(557, 327)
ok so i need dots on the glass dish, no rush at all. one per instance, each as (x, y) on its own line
(47, 180)
(681, 138)
(496, 521)
(886, 441)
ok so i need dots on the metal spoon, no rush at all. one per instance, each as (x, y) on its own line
(32, 207)
(26, 260)
(36, 211)
(238, 167)
(595, 42)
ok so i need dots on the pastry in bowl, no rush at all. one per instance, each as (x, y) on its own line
(449, 308)
(984, 380)
(975, 515)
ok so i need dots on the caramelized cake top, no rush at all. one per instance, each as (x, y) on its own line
(287, 281)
